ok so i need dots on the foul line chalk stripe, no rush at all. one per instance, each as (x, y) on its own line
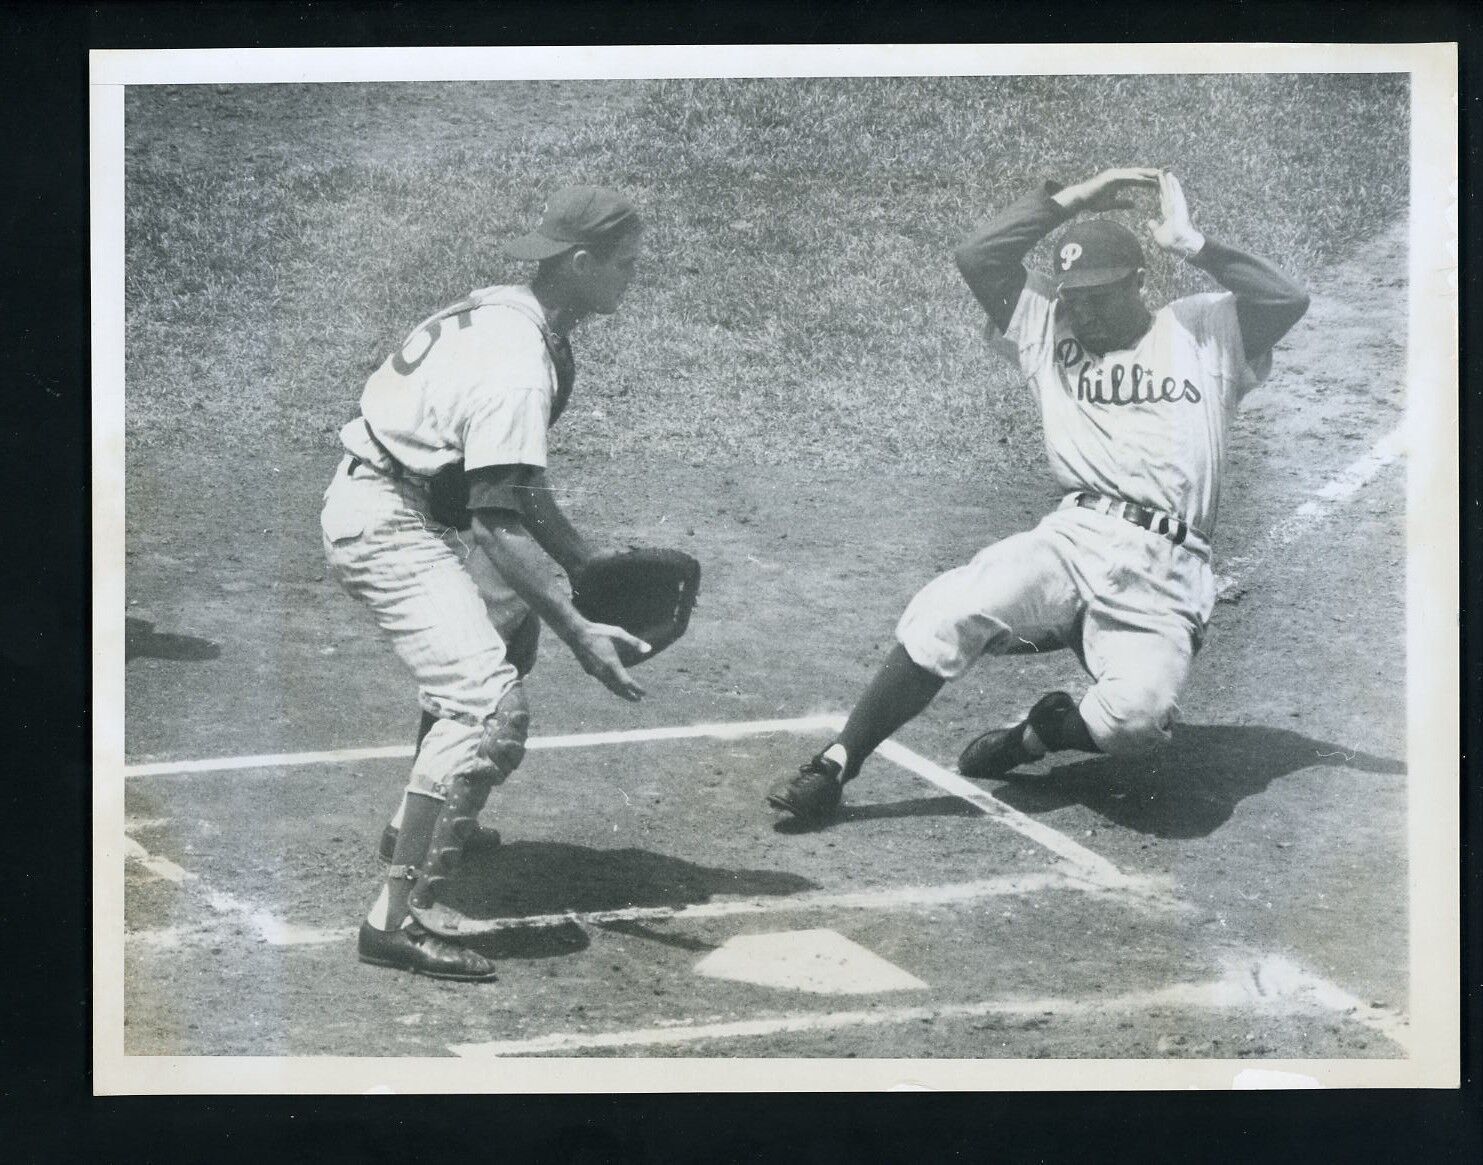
(160, 867)
(270, 927)
(1092, 866)
(1348, 482)
(1095, 868)
(1272, 984)
(727, 731)
(883, 899)
(886, 898)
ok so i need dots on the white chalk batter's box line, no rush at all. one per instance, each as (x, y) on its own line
(1078, 870)
(1085, 865)
(1268, 984)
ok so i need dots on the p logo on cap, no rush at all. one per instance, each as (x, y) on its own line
(1096, 251)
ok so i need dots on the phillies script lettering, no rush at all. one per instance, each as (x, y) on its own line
(1122, 384)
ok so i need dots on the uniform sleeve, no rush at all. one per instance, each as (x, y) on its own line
(497, 487)
(509, 402)
(1268, 302)
(1031, 325)
(991, 259)
(1214, 319)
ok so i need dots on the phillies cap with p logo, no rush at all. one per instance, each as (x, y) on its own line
(1096, 251)
(575, 216)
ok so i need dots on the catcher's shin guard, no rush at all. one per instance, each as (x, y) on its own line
(500, 751)
(460, 814)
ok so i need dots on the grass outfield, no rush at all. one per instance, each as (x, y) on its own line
(798, 301)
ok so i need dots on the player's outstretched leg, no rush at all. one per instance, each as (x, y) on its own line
(900, 690)
(482, 837)
(1054, 724)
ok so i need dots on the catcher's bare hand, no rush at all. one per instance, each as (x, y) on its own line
(1175, 233)
(1107, 190)
(596, 650)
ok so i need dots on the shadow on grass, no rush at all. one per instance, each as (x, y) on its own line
(141, 639)
(1190, 788)
(946, 806)
(543, 877)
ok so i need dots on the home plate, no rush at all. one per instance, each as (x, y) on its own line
(821, 961)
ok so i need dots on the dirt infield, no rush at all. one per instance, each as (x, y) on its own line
(1263, 908)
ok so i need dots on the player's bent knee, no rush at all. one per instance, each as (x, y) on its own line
(450, 747)
(1134, 738)
(502, 745)
(1127, 723)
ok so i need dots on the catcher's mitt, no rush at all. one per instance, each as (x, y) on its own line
(647, 592)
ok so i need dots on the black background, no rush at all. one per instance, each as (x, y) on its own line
(46, 1108)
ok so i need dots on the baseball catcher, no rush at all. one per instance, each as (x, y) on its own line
(442, 519)
(1135, 405)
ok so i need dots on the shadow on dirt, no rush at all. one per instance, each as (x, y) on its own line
(915, 807)
(1190, 788)
(542, 942)
(141, 639)
(639, 930)
(542, 877)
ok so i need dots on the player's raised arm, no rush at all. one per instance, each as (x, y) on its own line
(1268, 302)
(992, 258)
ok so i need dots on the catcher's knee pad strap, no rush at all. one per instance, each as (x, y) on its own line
(464, 797)
(502, 745)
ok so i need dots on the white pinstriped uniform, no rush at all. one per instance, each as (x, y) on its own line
(474, 383)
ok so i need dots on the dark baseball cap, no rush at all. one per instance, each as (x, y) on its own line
(573, 217)
(1095, 251)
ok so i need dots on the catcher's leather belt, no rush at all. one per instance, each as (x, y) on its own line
(397, 471)
(393, 469)
(1154, 521)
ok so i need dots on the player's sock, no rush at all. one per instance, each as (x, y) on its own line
(390, 910)
(899, 692)
(1060, 729)
(839, 755)
(1032, 744)
(1073, 733)
(380, 912)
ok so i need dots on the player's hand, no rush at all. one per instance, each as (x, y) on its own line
(1175, 233)
(595, 651)
(1108, 190)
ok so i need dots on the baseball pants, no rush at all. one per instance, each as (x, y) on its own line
(1130, 603)
(448, 613)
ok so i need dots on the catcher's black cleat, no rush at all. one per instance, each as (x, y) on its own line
(812, 793)
(415, 949)
(481, 837)
(1000, 751)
